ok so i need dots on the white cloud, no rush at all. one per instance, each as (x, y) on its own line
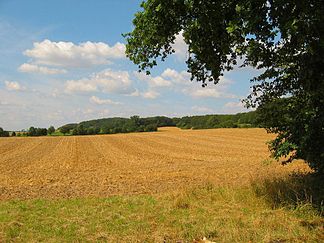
(235, 107)
(80, 86)
(182, 77)
(68, 54)
(98, 101)
(106, 81)
(180, 47)
(88, 111)
(208, 92)
(157, 81)
(136, 93)
(150, 94)
(219, 90)
(13, 86)
(160, 82)
(201, 109)
(234, 104)
(104, 113)
(32, 68)
(183, 83)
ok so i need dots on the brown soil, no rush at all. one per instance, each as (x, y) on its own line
(103, 165)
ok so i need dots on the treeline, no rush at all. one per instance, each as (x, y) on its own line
(36, 132)
(117, 125)
(3, 133)
(249, 119)
(149, 124)
(31, 132)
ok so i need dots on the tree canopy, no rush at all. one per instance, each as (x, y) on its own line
(32, 131)
(3, 133)
(150, 124)
(281, 38)
(51, 130)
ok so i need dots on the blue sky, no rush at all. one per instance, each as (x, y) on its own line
(63, 61)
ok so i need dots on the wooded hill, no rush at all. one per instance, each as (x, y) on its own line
(148, 124)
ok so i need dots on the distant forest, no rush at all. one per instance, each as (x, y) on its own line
(138, 124)
(149, 124)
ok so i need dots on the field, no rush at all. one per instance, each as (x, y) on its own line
(164, 186)
(83, 166)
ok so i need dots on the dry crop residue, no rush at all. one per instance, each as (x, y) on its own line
(103, 165)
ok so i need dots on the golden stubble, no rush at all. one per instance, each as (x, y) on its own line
(135, 163)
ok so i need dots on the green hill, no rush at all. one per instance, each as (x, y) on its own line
(149, 124)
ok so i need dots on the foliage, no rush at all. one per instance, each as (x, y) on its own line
(32, 131)
(284, 39)
(150, 124)
(150, 128)
(120, 125)
(67, 128)
(3, 133)
(248, 119)
(50, 130)
(292, 190)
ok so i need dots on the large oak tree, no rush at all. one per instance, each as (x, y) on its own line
(282, 38)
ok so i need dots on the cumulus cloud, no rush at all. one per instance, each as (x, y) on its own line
(98, 101)
(180, 47)
(182, 77)
(183, 84)
(206, 92)
(235, 107)
(136, 93)
(32, 68)
(219, 90)
(13, 86)
(68, 54)
(104, 113)
(234, 104)
(85, 85)
(150, 94)
(157, 81)
(107, 81)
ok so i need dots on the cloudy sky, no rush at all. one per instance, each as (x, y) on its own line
(63, 61)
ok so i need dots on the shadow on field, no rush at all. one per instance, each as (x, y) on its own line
(293, 190)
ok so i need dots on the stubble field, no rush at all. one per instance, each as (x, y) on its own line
(137, 163)
(168, 186)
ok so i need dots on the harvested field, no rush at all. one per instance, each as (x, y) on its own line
(137, 163)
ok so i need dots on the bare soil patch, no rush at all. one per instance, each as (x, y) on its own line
(137, 163)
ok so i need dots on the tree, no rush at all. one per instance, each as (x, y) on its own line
(65, 130)
(3, 133)
(13, 134)
(150, 128)
(32, 131)
(75, 132)
(81, 130)
(283, 39)
(212, 121)
(41, 131)
(136, 120)
(90, 131)
(50, 130)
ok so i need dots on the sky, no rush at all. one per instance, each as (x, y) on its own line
(64, 61)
